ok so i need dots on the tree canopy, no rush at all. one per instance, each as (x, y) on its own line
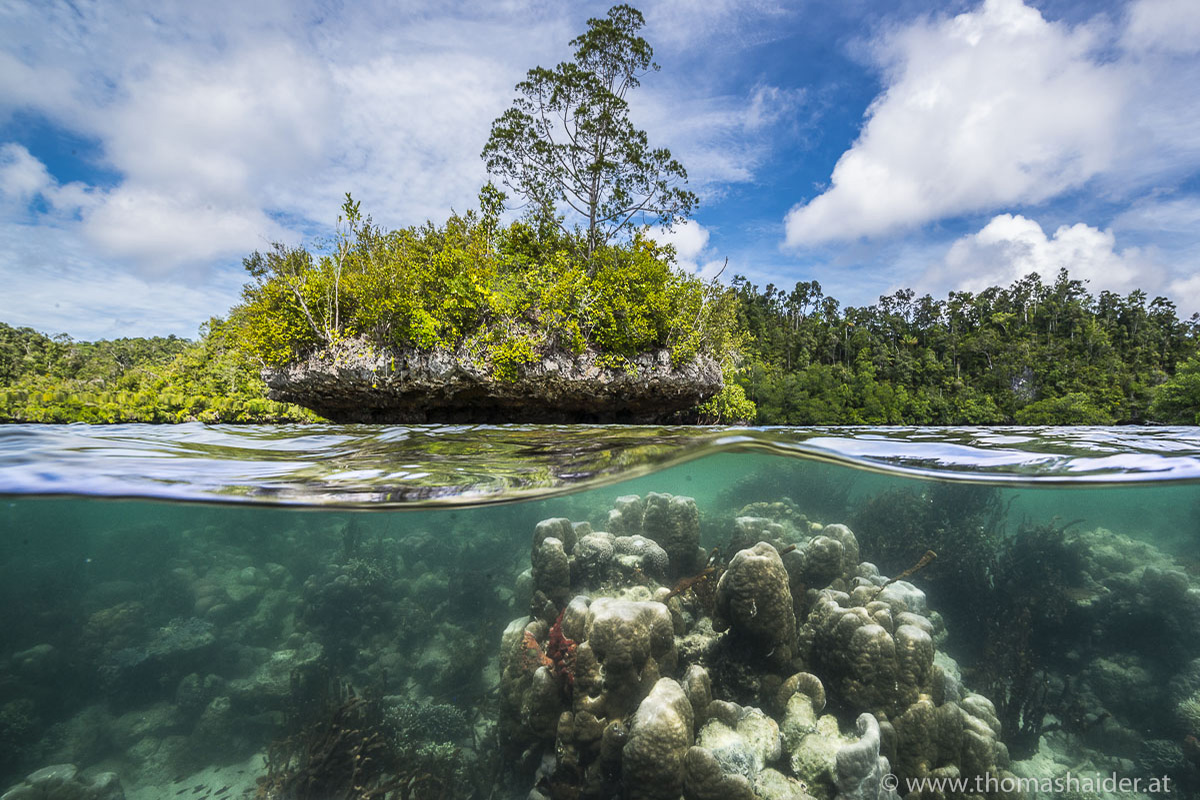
(568, 139)
(1030, 353)
(505, 295)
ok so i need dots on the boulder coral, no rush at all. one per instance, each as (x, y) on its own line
(860, 768)
(754, 600)
(659, 738)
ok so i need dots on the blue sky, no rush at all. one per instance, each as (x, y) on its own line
(146, 147)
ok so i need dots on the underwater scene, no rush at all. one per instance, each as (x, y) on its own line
(344, 613)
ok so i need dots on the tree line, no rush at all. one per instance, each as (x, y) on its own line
(156, 379)
(1031, 353)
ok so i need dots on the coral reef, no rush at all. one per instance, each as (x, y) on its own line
(806, 672)
(786, 658)
(223, 641)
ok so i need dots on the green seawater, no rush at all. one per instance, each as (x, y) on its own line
(337, 638)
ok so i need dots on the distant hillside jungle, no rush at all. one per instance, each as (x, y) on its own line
(1030, 353)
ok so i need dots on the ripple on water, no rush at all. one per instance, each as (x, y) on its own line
(388, 466)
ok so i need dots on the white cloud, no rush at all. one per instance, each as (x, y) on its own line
(681, 24)
(1012, 246)
(225, 129)
(769, 104)
(692, 253)
(1185, 292)
(22, 177)
(54, 282)
(1172, 225)
(1164, 25)
(992, 107)
(1169, 215)
(167, 231)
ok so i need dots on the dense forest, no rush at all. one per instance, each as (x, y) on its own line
(1031, 353)
(56, 379)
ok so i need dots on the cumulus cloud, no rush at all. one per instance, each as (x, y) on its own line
(24, 179)
(1164, 25)
(992, 107)
(692, 253)
(55, 282)
(1012, 246)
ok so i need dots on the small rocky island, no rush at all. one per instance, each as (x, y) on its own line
(354, 381)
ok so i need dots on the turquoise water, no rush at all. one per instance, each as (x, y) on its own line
(614, 612)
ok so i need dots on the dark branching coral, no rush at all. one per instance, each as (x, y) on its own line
(353, 750)
(342, 755)
(427, 722)
(962, 523)
(1023, 621)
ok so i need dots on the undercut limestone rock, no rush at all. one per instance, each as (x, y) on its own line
(353, 380)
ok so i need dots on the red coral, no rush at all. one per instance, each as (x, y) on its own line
(534, 657)
(558, 655)
(561, 651)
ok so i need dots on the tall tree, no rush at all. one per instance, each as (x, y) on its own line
(568, 140)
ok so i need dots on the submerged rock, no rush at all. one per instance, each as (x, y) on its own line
(354, 381)
(63, 782)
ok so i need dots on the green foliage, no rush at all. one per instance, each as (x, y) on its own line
(727, 406)
(1076, 408)
(133, 380)
(568, 139)
(508, 295)
(1177, 401)
(1032, 353)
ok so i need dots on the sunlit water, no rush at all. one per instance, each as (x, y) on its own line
(212, 612)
